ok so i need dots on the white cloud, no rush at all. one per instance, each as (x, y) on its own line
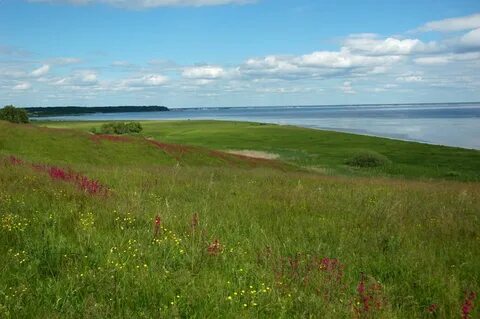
(41, 71)
(204, 72)
(471, 39)
(410, 78)
(344, 59)
(347, 88)
(432, 60)
(144, 81)
(145, 4)
(371, 44)
(78, 79)
(88, 77)
(66, 61)
(453, 24)
(448, 58)
(362, 63)
(22, 86)
(286, 90)
(319, 64)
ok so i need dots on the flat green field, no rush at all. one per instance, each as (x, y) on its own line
(166, 225)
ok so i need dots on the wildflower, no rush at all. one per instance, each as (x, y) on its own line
(158, 225)
(214, 248)
(369, 295)
(467, 306)
(432, 308)
(15, 161)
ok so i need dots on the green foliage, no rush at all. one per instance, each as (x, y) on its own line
(324, 151)
(121, 128)
(368, 159)
(68, 254)
(12, 114)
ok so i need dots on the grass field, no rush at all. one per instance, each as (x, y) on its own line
(325, 151)
(133, 227)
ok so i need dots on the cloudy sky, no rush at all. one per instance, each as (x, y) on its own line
(182, 53)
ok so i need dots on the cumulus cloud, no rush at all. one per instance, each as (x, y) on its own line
(362, 63)
(22, 86)
(150, 80)
(41, 71)
(145, 4)
(453, 24)
(471, 39)
(344, 59)
(448, 58)
(319, 64)
(371, 44)
(204, 72)
(81, 78)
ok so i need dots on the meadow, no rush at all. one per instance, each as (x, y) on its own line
(167, 225)
(323, 151)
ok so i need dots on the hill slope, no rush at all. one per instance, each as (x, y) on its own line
(321, 150)
(115, 228)
(75, 147)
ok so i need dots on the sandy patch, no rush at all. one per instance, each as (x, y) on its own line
(255, 154)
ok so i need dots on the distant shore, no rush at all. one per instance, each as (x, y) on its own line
(79, 110)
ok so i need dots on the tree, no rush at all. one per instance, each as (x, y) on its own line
(15, 115)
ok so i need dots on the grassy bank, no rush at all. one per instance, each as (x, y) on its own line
(181, 231)
(325, 151)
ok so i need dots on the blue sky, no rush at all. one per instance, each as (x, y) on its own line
(184, 53)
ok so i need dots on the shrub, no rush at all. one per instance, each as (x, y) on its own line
(121, 128)
(134, 127)
(368, 159)
(12, 114)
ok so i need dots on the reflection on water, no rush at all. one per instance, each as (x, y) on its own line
(445, 124)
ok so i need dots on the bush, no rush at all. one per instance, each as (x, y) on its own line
(12, 114)
(368, 159)
(121, 128)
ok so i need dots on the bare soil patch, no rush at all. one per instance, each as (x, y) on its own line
(255, 154)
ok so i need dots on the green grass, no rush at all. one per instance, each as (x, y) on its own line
(325, 151)
(69, 254)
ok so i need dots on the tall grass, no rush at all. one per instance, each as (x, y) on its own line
(226, 242)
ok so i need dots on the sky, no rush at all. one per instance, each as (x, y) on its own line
(201, 53)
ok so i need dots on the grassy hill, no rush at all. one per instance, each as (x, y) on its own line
(325, 151)
(133, 227)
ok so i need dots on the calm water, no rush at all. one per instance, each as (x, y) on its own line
(444, 124)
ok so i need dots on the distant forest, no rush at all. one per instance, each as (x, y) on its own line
(78, 110)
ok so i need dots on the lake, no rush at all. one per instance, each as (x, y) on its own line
(444, 124)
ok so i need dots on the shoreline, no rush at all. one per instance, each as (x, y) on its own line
(359, 132)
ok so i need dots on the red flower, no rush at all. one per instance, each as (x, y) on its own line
(467, 306)
(215, 248)
(432, 308)
(158, 224)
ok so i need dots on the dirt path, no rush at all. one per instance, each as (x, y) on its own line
(254, 154)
